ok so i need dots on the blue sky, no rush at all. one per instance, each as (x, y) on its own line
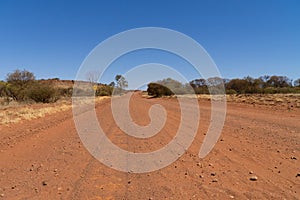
(52, 38)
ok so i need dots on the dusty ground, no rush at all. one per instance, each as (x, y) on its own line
(44, 158)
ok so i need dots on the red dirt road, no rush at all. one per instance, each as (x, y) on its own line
(45, 159)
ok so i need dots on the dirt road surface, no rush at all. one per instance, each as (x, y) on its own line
(45, 159)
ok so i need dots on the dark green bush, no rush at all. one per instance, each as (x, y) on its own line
(269, 90)
(3, 89)
(157, 90)
(231, 91)
(104, 90)
(17, 92)
(42, 93)
(65, 92)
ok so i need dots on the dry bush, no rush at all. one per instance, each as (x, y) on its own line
(42, 93)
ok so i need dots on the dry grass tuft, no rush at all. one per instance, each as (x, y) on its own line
(19, 112)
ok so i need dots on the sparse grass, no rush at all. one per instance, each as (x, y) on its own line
(19, 112)
(287, 100)
(282, 100)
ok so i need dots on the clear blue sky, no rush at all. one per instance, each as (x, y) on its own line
(52, 38)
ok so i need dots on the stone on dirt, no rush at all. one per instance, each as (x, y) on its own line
(253, 178)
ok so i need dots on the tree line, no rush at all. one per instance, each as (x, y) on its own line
(248, 85)
(22, 86)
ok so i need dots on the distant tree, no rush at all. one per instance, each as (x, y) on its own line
(199, 86)
(238, 85)
(121, 84)
(158, 90)
(3, 89)
(215, 85)
(176, 86)
(259, 84)
(279, 81)
(22, 86)
(112, 84)
(214, 81)
(42, 93)
(198, 83)
(20, 78)
(18, 82)
(226, 81)
(104, 90)
(253, 85)
(297, 83)
(93, 76)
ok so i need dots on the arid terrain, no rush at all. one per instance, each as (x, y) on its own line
(256, 157)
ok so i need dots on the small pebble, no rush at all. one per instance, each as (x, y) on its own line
(298, 175)
(253, 178)
(44, 183)
(215, 180)
(213, 174)
(1, 195)
(251, 172)
(293, 158)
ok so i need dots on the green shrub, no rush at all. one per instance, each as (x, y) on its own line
(3, 89)
(18, 83)
(65, 92)
(16, 91)
(269, 90)
(231, 91)
(104, 90)
(157, 90)
(42, 93)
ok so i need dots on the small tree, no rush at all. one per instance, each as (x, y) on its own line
(158, 90)
(297, 83)
(20, 78)
(18, 82)
(42, 93)
(122, 83)
(112, 84)
(104, 90)
(3, 89)
(93, 76)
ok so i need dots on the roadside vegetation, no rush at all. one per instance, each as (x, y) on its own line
(22, 86)
(247, 85)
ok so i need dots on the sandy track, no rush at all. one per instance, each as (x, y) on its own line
(45, 159)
